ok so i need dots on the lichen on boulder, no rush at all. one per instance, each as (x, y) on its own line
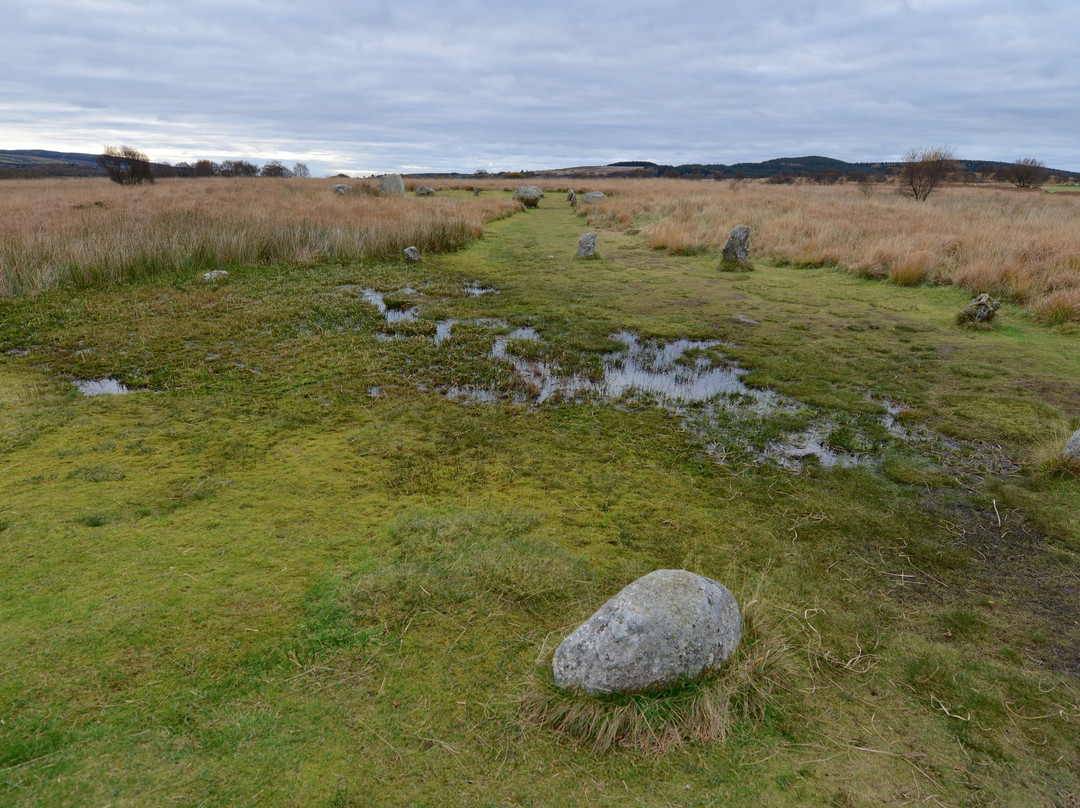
(667, 627)
(981, 309)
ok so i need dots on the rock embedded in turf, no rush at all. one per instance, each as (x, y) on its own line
(391, 185)
(667, 627)
(529, 195)
(341, 189)
(412, 255)
(981, 309)
(594, 196)
(215, 275)
(738, 244)
(1071, 453)
(425, 190)
(586, 246)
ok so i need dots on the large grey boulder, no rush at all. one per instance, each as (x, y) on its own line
(981, 309)
(341, 188)
(412, 255)
(391, 184)
(667, 627)
(1071, 453)
(425, 190)
(594, 196)
(529, 195)
(738, 244)
(586, 246)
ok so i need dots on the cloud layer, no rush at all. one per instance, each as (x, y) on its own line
(418, 85)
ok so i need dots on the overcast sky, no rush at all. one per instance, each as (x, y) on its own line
(410, 85)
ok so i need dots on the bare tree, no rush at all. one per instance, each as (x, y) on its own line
(275, 169)
(924, 169)
(126, 165)
(301, 170)
(238, 168)
(1027, 172)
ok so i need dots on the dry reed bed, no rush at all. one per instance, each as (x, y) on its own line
(88, 230)
(1021, 246)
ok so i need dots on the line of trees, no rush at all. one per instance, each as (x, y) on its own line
(239, 168)
(127, 165)
(924, 169)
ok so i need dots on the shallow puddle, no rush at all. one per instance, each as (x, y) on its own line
(797, 446)
(645, 367)
(473, 289)
(391, 315)
(444, 328)
(660, 368)
(679, 375)
(101, 387)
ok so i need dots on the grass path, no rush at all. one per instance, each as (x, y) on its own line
(262, 583)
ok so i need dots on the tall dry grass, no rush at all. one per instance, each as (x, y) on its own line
(1017, 245)
(88, 230)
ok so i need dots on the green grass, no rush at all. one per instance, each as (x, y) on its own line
(257, 582)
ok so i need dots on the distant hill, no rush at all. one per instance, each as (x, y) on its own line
(35, 163)
(29, 163)
(40, 163)
(795, 167)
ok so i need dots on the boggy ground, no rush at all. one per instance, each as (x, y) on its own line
(290, 570)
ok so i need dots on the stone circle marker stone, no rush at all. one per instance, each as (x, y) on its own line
(667, 627)
(529, 195)
(391, 184)
(586, 246)
(570, 195)
(412, 255)
(738, 244)
(425, 190)
(215, 275)
(1071, 453)
(341, 188)
(594, 196)
(981, 309)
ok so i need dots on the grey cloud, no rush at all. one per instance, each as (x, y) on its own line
(451, 86)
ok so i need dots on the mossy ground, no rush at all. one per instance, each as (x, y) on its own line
(256, 581)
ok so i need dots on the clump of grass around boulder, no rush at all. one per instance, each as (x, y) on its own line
(749, 686)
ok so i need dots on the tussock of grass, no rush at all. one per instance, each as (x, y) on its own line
(749, 685)
(1046, 456)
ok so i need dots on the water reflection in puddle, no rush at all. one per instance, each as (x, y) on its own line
(687, 377)
(474, 289)
(101, 387)
(647, 367)
(392, 315)
(444, 328)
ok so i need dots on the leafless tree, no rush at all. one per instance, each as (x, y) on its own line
(301, 170)
(924, 169)
(275, 169)
(1027, 172)
(126, 165)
